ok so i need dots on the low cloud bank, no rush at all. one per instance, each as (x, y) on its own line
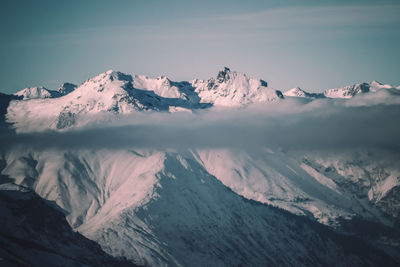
(290, 124)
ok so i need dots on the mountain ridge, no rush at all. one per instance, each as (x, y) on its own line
(345, 92)
(235, 204)
(114, 92)
(163, 208)
(212, 89)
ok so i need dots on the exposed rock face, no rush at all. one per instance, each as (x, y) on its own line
(65, 120)
(66, 88)
(35, 233)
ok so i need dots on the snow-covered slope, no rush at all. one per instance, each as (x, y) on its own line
(352, 90)
(37, 92)
(347, 91)
(166, 208)
(375, 86)
(118, 93)
(109, 92)
(298, 92)
(298, 183)
(41, 92)
(232, 88)
(342, 92)
(372, 176)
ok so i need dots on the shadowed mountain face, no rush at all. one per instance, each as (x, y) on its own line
(4, 103)
(35, 233)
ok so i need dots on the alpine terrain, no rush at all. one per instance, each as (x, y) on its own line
(131, 170)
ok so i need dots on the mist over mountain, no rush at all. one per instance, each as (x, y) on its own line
(218, 172)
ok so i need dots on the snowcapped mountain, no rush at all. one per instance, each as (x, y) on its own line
(352, 90)
(207, 206)
(37, 92)
(40, 92)
(229, 88)
(342, 92)
(118, 93)
(234, 88)
(375, 85)
(348, 91)
(298, 92)
(109, 92)
(66, 88)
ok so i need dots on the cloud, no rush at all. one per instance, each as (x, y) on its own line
(290, 124)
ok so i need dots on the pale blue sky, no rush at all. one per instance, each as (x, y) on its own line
(312, 44)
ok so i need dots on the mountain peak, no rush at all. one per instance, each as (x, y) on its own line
(348, 91)
(355, 89)
(376, 82)
(223, 75)
(115, 92)
(109, 76)
(66, 88)
(110, 71)
(37, 92)
(342, 92)
(298, 92)
(164, 80)
(231, 88)
(375, 85)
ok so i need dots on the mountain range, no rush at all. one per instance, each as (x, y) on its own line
(197, 205)
(343, 92)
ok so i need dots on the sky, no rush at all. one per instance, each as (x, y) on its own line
(312, 44)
